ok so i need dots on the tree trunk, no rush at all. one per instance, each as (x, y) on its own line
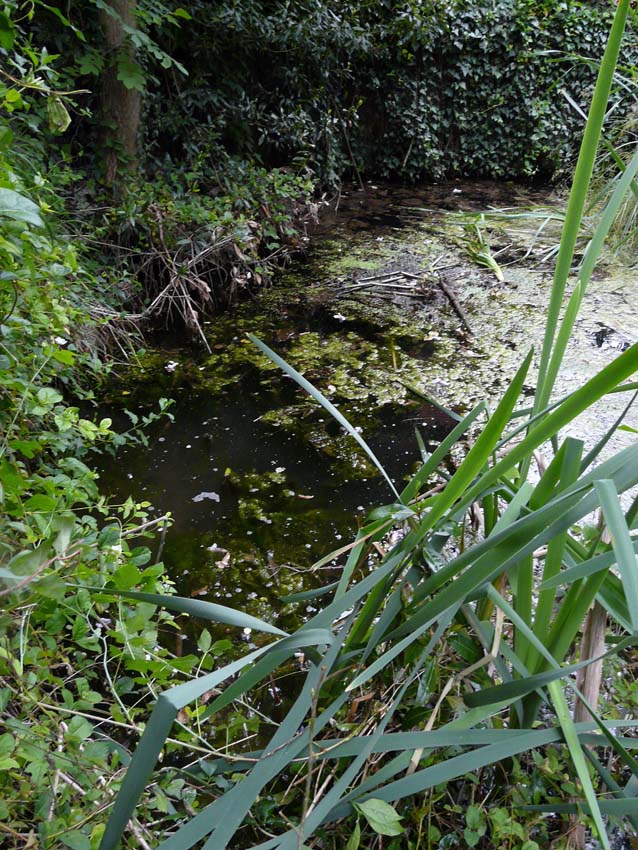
(120, 105)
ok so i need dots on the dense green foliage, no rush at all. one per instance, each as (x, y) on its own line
(77, 670)
(247, 107)
(416, 90)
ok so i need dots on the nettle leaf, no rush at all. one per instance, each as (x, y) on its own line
(130, 73)
(382, 817)
(41, 502)
(28, 448)
(64, 356)
(17, 207)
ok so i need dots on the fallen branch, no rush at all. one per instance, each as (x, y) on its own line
(460, 312)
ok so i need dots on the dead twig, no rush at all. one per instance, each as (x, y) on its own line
(460, 312)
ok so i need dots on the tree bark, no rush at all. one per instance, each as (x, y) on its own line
(120, 106)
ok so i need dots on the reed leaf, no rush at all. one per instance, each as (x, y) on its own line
(578, 196)
(198, 608)
(578, 758)
(623, 547)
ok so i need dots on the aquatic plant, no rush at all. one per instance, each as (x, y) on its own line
(478, 248)
(401, 598)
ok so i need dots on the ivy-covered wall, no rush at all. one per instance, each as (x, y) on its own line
(419, 89)
(477, 88)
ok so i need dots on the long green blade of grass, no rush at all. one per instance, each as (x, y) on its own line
(625, 806)
(480, 451)
(285, 745)
(520, 539)
(578, 196)
(578, 758)
(197, 608)
(587, 267)
(441, 452)
(521, 687)
(583, 570)
(161, 720)
(623, 547)
(570, 468)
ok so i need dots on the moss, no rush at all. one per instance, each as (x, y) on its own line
(345, 264)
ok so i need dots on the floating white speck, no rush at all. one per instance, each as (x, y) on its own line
(280, 469)
(171, 365)
(60, 340)
(214, 497)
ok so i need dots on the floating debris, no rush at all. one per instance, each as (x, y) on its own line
(214, 497)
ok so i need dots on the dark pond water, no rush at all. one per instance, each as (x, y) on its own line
(253, 507)
(260, 482)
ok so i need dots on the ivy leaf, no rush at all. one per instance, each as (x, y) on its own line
(382, 817)
(130, 73)
(17, 207)
(91, 63)
(182, 13)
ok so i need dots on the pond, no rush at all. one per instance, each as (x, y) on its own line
(389, 314)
